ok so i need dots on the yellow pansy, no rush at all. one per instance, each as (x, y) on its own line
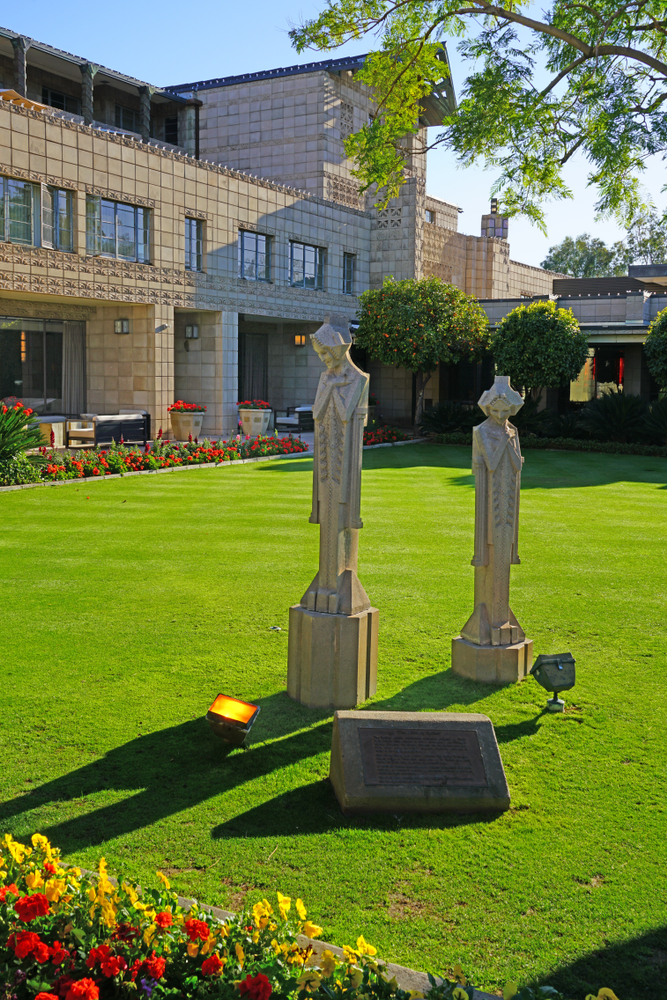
(284, 904)
(510, 991)
(223, 930)
(328, 963)
(260, 915)
(459, 977)
(193, 949)
(604, 994)
(301, 909)
(74, 872)
(349, 954)
(207, 946)
(18, 851)
(149, 933)
(363, 948)
(164, 880)
(415, 995)
(309, 981)
(356, 976)
(34, 880)
(54, 889)
(240, 954)
(276, 947)
(41, 843)
(92, 894)
(131, 892)
(459, 993)
(255, 937)
(311, 930)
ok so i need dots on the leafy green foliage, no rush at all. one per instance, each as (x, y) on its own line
(450, 416)
(645, 241)
(615, 416)
(655, 349)
(604, 99)
(583, 257)
(656, 420)
(18, 471)
(17, 432)
(539, 345)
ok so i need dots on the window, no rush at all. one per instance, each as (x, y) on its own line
(127, 118)
(117, 230)
(430, 216)
(193, 244)
(56, 218)
(306, 266)
(349, 268)
(254, 256)
(171, 130)
(31, 362)
(19, 210)
(61, 101)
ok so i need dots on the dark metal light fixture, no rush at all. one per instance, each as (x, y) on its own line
(121, 326)
(555, 673)
(231, 719)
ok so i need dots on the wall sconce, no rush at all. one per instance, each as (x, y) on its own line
(231, 719)
(192, 333)
(121, 326)
(299, 340)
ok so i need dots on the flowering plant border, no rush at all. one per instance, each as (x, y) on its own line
(384, 435)
(254, 404)
(69, 935)
(180, 407)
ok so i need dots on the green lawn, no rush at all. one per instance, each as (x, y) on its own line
(128, 605)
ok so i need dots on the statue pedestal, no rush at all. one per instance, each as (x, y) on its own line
(332, 659)
(492, 664)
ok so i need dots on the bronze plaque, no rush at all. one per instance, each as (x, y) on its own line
(421, 757)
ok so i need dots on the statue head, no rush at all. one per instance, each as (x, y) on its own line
(332, 343)
(501, 400)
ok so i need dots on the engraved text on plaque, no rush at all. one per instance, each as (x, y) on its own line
(421, 757)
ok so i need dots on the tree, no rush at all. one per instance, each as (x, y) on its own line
(418, 323)
(645, 241)
(585, 257)
(655, 349)
(604, 97)
(539, 345)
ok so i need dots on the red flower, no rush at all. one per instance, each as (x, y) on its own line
(8, 888)
(51, 869)
(83, 989)
(196, 929)
(30, 907)
(164, 919)
(58, 953)
(23, 943)
(213, 966)
(110, 964)
(62, 985)
(256, 988)
(46, 996)
(155, 966)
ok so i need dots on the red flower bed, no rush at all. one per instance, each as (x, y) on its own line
(384, 435)
(180, 407)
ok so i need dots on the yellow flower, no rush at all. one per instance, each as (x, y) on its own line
(193, 949)
(311, 930)
(41, 843)
(392, 982)
(34, 880)
(223, 930)
(92, 894)
(276, 947)
(164, 880)
(416, 995)
(149, 933)
(260, 915)
(604, 994)
(18, 851)
(363, 948)
(510, 991)
(54, 889)
(300, 909)
(459, 994)
(255, 937)
(74, 872)
(284, 904)
(349, 954)
(356, 976)
(208, 945)
(240, 954)
(459, 977)
(309, 981)
(328, 963)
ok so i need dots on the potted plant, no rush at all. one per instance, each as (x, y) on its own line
(186, 419)
(254, 415)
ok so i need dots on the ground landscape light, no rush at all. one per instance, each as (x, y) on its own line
(231, 719)
(555, 673)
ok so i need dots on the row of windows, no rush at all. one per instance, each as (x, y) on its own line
(34, 214)
(128, 119)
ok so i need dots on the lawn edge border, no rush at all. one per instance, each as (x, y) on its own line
(189, 468)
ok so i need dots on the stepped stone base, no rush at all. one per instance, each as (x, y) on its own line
(332, 659)
(492, 664)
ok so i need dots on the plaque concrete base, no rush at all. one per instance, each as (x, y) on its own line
(332, 659)
(492, 664)
(427, 762)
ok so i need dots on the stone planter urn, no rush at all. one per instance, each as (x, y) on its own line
(186, 422)
(254, 422)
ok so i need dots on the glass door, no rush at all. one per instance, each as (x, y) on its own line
(31, 363)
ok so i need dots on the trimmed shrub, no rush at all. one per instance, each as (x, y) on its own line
(539, 345)
(615, 416)
(449, 416)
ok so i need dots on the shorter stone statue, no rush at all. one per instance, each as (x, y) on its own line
(492, 646)
(332, 657)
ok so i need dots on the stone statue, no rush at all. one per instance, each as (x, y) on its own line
(332, 659)
(492, 645)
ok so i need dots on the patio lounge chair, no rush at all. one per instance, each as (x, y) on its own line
(105, 428)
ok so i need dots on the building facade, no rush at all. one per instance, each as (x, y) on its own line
(183, 242)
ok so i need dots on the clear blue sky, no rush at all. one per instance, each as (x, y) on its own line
(167, 43)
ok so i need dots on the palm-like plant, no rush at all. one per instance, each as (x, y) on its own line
(656, 420)
(449, 416)
(615, 416)
(17, 432)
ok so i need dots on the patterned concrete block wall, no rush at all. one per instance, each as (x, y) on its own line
(294, 372)
(198, 367)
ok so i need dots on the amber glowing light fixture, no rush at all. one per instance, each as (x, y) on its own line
(231, 719)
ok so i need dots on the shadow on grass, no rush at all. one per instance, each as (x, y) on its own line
(634, 969)
(435, 693)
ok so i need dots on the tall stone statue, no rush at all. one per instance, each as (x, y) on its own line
(492, 646)
(332, 657)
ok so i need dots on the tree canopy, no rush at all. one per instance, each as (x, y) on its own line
(607, 67)
(539, 345)
(583, 257)
(418, 323)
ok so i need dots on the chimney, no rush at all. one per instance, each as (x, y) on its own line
(494, 225)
